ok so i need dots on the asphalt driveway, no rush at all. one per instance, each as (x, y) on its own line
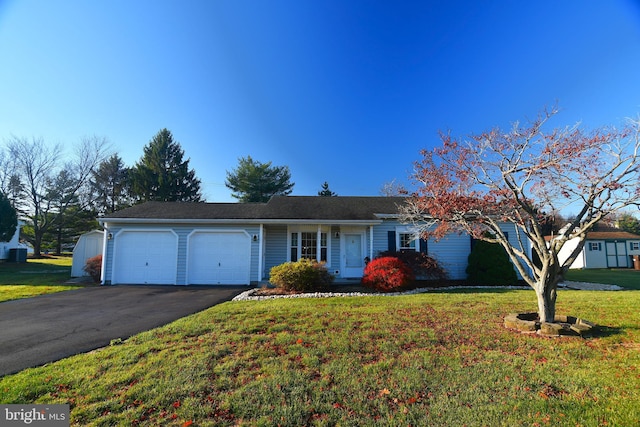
(35, 331)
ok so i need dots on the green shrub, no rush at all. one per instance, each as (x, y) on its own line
(387, 274)
(302, 275)
(489, 264)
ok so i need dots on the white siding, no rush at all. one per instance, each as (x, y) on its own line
(566, 251)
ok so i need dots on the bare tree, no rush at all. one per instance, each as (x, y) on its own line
(474, 184)
(393, 189)
(10, 183)
(50, 185)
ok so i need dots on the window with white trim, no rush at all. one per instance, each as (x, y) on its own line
(305, 244)
(634, 246)
(595, 246)
(407, 241)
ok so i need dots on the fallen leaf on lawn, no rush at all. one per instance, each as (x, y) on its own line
(384, 392)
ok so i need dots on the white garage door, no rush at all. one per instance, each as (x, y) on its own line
(219, 258)
(142, 257)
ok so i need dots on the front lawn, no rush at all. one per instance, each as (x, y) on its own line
(626, 278)
(438, 359)
(35, 277)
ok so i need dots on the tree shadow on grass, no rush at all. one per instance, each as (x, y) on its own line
(601, 331)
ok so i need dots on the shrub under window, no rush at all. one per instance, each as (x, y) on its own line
(302, 275)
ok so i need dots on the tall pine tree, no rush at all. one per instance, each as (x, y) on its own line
(162, 175)
(109, 185)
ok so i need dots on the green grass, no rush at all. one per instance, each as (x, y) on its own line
(437, 359)
(35, 277)
(626, 278)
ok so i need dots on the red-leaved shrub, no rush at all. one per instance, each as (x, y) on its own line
(93, 267)
(423, 266)
(387, 274)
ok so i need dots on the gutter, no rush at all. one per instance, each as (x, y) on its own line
(104, 221)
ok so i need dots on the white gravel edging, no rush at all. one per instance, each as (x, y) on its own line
(249, 295)
(586, 286)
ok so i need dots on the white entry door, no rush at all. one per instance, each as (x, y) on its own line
(352, 254)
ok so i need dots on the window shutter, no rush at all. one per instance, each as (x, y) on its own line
(589, 246)
(391, 236)
(423, 246)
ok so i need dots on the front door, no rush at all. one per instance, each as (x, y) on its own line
(352, 254)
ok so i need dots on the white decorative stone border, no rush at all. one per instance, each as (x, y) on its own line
(250, 294)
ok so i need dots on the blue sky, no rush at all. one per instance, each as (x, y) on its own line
(341, 91)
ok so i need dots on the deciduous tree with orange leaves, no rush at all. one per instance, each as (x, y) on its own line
(523, 176)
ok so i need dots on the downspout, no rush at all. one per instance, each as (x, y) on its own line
(370, 242)
(261, 253)
(318, 245)
(105, 239)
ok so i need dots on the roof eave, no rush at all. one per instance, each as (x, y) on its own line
(103, 221)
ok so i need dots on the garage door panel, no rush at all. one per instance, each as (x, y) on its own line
(219, 258)
(145, 257)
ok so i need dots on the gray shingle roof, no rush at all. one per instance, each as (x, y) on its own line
(279, 207)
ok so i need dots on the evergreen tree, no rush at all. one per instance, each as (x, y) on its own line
(162, 175)
(630, 223)
(109, 184)
(489, 264)
(325, 192)
(253, 181)
(8, 219)
(68, 227)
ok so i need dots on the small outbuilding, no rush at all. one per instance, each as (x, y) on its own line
(88, 246)
(604, 247)
(12, 250)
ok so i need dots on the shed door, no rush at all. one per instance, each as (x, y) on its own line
(145, 257)
(219, 258)
(617, 254)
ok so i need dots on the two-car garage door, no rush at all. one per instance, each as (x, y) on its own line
(212, 257)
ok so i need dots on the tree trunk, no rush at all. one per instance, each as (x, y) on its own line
(547, 301)
(37, 242)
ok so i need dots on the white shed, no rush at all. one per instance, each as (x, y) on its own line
(605, 247)
(5, 247)
(88, 246)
